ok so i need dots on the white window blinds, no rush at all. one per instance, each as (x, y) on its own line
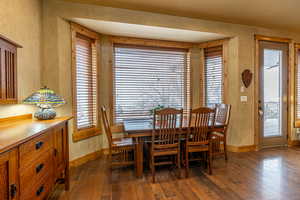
(213, 75)
(146, 77)
(85, 83)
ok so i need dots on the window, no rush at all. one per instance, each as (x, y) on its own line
(213, 75)
(147, 77)
(297, 106)
(85, 84)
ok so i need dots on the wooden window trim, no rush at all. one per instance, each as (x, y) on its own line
(150, 42)
(272, 39)
(215, 43)
(81, 134)
(296, 61)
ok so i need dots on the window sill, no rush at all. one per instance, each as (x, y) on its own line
(85, 134)
(297, 124)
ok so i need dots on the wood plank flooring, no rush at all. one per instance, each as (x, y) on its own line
(270, 174)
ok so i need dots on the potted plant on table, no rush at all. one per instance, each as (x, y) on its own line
(158, 107)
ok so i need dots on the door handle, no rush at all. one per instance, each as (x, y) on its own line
(260, 111)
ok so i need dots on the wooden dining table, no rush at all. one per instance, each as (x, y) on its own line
(141, 129)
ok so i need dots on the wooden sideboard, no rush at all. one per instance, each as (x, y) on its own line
(34, 156)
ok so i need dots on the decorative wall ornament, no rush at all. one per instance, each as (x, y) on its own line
(247, 77)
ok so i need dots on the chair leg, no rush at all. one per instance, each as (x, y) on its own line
(110, 159)
(179, 164)
(210, 159)
(135, 154)
(182, 158)
(153, 169)
(225, 148)
(205, 158)
(186, 163)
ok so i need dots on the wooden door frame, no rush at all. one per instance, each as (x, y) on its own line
(296, 61)
(290, 79)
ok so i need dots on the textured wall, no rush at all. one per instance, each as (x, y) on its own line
(50, 63)
(57, 51)
(21, 22)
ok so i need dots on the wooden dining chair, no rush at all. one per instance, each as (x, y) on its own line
(198, 137)
(221, 125)
(167, 124)
(122, 150)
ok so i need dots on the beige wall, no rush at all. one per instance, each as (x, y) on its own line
(63, 82)
(57, 51)
(50, 64)
(21, 21)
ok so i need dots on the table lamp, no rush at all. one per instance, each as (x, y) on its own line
(46, 100)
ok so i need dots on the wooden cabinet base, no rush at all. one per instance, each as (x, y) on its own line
(9, 175)
(34, 156)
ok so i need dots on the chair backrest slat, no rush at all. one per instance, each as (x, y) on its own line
(167, 123)
(201, 119)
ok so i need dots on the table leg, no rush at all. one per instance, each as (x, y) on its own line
(139, 157)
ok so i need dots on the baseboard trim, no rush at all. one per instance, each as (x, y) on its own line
(246, 148)
(88, 157)
(293, 143)
(105, 151)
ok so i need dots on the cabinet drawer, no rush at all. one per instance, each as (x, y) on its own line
(36, 171)
(40, 190)
(34, 149)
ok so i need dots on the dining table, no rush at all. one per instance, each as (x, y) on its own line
(141, 131)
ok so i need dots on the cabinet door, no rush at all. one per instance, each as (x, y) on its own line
(8, 72)
(9, 189)
(59, 148)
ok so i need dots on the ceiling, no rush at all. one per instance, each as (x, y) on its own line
(148, 32)
(279, 14)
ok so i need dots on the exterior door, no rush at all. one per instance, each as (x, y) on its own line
(273, 93)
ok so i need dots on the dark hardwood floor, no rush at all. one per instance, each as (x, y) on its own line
(270, 174)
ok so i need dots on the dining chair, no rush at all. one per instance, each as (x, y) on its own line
(220, 133)
(122, 150)
(198, 136)
(167, 124)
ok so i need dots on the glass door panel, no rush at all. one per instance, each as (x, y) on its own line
(272, 92)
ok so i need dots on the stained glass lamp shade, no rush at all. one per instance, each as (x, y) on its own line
(45, 99)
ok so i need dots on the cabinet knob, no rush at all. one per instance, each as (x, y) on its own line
(39, 167)
(38, 145)
(40, 191)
